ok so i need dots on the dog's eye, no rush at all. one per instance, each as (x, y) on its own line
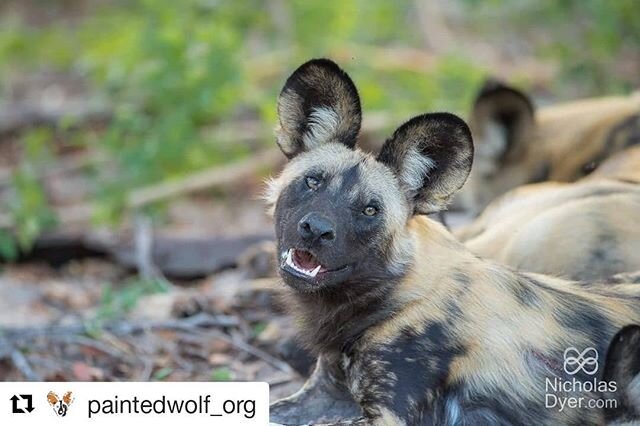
(312, 183)
(370, 211)
(589, 168)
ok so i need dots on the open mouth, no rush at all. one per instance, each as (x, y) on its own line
(305, 266)
(303, 262)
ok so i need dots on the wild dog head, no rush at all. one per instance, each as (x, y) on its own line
(60, 406)
(623, 367)
(341, 214)
(518, 144)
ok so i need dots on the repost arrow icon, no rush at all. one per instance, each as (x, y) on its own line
(29, 399)
(14, 403)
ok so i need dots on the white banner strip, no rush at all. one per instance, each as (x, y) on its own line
(146, 404)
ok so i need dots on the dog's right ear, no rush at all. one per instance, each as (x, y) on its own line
(431, 155)
(622, 366)
(318, 104)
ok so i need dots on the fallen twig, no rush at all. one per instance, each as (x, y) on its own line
(258, 353)
(246, 347)
(65, 164)
(22, 364)
(94, 344)
(15, 118)
(209, 178)
(118, 328)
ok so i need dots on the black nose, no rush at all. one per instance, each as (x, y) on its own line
(314, 227)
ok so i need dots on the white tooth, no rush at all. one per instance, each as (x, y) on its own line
(315, 271)
(288, 260)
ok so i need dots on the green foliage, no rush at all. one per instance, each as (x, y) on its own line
(27, 205)
(595, 42)
(162, 374)
(117, 302)
(8, 246)
(221, 374)
(175, 70)
(258, 328)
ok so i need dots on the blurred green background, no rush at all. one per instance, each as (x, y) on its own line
(182, 78)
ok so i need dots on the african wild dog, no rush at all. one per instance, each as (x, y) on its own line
(409, 326)
(586, 230)
(517, 144)
(623, 367)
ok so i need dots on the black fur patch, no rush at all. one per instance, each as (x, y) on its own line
(495, 408)
(462, 279)
(605, 255)
(350, 178)
(413, 385)
(525, 293)
(314, 89)
(453, 305)
(622, 366)
(416, 366)
(334, 320)
(587, 319)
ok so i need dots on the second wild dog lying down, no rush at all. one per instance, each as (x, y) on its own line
(517, 144)
(623, 368)
(409, 326)
(585, 230)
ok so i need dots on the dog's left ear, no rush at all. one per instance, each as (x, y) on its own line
(431, 155)
(318, 104)
(52, 398)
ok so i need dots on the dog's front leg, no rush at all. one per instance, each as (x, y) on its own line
(322, 400)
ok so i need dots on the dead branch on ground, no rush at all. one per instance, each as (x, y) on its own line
(117, 328)
(15, 118)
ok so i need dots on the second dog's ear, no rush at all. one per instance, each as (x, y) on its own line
(318, 104)
(502, 120)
